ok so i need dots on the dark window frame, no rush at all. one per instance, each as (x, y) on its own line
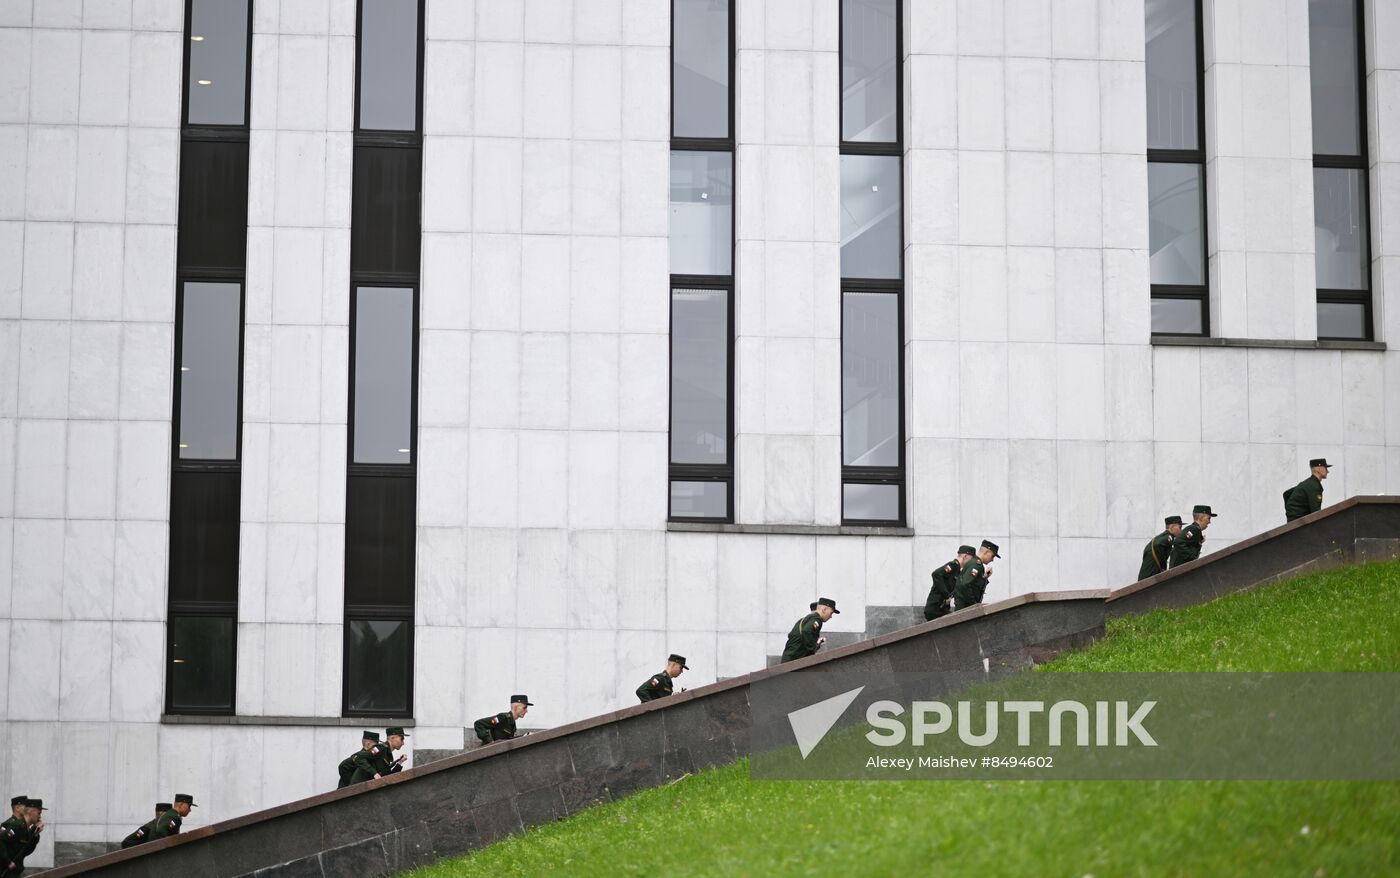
(395, 611)
(1361, 163)
(878, 475)
(1197, 157)
(177, 606)
(706, 472)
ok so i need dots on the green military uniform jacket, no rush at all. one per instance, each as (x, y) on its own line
(972, 584)
(802, 639)
(1187, 546)
(655, 687)
(1303, 498)
(945, 579)
(14, 843)
(165, 825)
(368, 763)
(1155, 555)
(500, 727)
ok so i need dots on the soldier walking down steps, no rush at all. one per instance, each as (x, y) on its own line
(1306, 496)
(945, 579)
(1187, 546)
(659, 686)
(1158, 549)
(806, 638)
(501, 727)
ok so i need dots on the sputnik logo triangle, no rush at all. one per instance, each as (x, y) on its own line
(811, 723)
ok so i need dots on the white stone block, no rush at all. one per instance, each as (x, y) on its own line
(545, 282)
(1028, 31)
(92, 464)
(933, 399)
(1031, 392)
(547, 167)
(447, 195)
(1030, 293)
(788, 487)
(931, 27)
(291, 564)
(1083, 563)
(301, 82)
(787, 189)
(979, 27)
(1124, 202)
(1123, 112)
(496, 186)
(439, 695)
(741, 575)
(593, 470)
(1082, 494)
(596, 188)
(143, 469)
(983, 494)
(148, 274)
(97, 274)
(981, 198)
(443, 484)
(53, 78)
(14, 149)
(288, 646)
(592, 580)
(496, 272)
(156, 62)
(1078, 295)
(500, 22)
(541, 655)
(43, 360)
(1078, 204)
(596, 274)
(787, 112)
(1272, 400)
(933, 312)
(34, 644)
(739, 654)
(488, 693)
(293, 452)
(644, 23)
(645, 388)
(641, 574)
(1128, 391)
(792, 572)
(85, 671)
(789, 391)
(1030, 194)
(14, 74)
(138, 649)
(841, 571)
(101, 187)
(1226, 471)
(1127, 303)
(544, 377)
(1319, 380)
(39, 464)
(447, 87)
(52, 178)
(1129, 477)
(1035, 510)
(543, 479)
(1029, 104)
(1081, 415)
(499, 83)
(542, 592)
(12, 270)
(549, 21)
(140, 566)
(491, 577)
(451, 20)
(48, 273)
(593, 381)
(1075, 28)
(146, 365)
(1076, 106)
(1363, 383)
(983, 381)
(644, 188)
(295, 378)
(443, 377)
(37, 589)
(492, 499)
(446, 281)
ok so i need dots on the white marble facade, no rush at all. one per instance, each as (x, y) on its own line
(1039, 414)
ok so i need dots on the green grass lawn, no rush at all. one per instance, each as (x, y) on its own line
(721, 823)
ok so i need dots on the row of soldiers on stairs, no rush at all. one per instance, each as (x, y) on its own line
(1181, 543)
(19, 834)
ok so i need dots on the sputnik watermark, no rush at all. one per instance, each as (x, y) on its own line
(890, 731)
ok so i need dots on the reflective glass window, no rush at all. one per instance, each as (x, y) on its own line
(209, 378)
(862, 502)
(1174, 220)
(389, 65)
(870, 379)
(1177, 317)
(383, 375)
(870, 216)
(1335, 77)
(1173, 78)
(377, 665)
(699, 376)
(702, 212)
(869, 70)
(1339, 208)
(218, 73)
(201, 663)
(1341, 320)
(699, 499)
(700, 68)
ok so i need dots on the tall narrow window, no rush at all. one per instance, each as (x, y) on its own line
(381, 487)
(1341, 224)
(206, 440)
(1176, 169)
(872, 265)
(702, 261)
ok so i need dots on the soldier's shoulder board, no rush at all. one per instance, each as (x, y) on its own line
(655, 682)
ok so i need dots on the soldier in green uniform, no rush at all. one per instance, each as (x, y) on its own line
(143, 834)
(501, 727)
(659, 686)
(14, 837)
(34, 816)
(167, 824)
(1158, 549)
(1187, 546)
(371, 762)
(805, 637)
(162, 807)
(356, 762)
(394, 735)
(972, 584)
(1306, 496)
(945, 579)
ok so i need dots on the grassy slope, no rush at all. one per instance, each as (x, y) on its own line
(721, 823)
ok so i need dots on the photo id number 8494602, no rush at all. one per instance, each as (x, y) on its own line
(1018, 761)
